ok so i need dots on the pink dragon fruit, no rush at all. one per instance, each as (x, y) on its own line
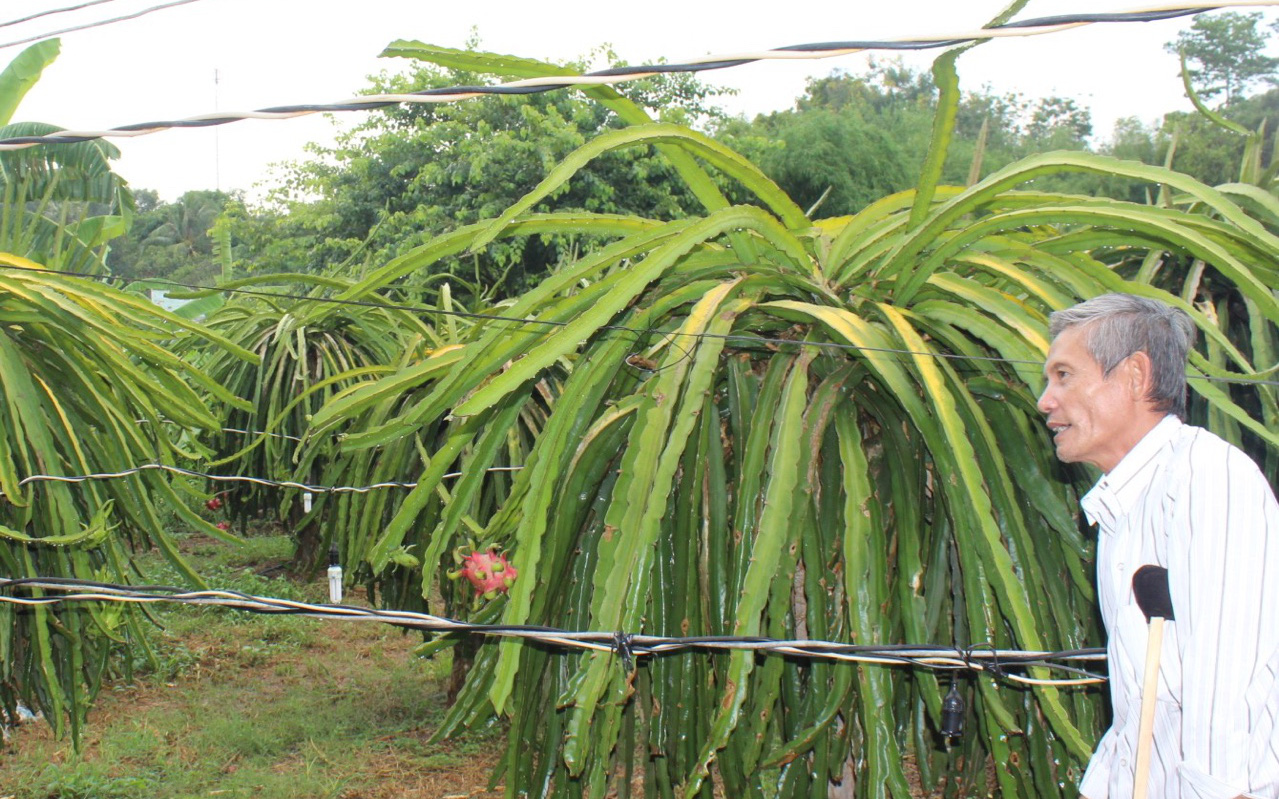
(487, 571)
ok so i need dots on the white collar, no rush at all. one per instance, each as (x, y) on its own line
(1119, 490)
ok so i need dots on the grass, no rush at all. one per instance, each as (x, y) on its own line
(244, 705)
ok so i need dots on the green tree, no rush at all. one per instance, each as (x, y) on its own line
(90, 388)
(305, 353)
(838, 159)
(1224, 53)
(854, 138)
(171, 240)
(1058, 123)
(411, 172)
(1213, 152)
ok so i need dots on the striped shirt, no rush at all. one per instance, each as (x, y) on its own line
(1186, 500)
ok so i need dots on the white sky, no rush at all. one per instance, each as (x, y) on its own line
(280, 52)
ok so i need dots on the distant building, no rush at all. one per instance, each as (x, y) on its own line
(162, 299)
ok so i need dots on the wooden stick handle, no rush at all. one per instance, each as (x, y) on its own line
(1149, 692)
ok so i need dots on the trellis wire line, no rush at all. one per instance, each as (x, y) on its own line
(234, 478)
(983, 658)
(515, 321)
(1029, 27)
(100, 23)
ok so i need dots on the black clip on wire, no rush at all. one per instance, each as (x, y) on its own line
(622, 645)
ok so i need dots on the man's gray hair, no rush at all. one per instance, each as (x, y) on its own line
(1117, 325)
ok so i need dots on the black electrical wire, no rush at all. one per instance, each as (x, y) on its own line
(1118, 16)
(538, 85)
(31, 592)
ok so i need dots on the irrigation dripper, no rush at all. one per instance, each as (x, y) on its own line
(335, 576)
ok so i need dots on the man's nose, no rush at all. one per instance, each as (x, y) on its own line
(1046, 401)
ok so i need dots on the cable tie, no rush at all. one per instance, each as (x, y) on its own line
(993, 667)
(622, 646)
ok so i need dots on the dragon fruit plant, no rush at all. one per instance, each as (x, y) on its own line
(486, 570)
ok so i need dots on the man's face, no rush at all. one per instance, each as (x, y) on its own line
(1093, 419)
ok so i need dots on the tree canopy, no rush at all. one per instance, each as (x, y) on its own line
(1224, 54)
(850, 138)
(171, 240)
(412, 172)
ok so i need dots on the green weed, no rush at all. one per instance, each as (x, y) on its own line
(91, 781)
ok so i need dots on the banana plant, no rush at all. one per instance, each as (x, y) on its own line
(90, 387)
(769, 424)
(62, 203)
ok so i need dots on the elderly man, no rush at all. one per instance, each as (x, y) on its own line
(1179, 497)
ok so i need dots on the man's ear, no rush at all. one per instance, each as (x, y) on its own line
(1138, 375)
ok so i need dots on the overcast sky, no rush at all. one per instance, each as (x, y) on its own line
(280, 52)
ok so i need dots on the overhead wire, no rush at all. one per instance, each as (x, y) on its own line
(616, 75)
(97, 24)
(52, 11)
(983, 658)
(732, 338)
